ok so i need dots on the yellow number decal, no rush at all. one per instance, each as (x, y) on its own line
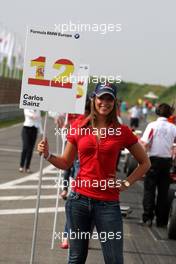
(63, 79)
(79, 90)
(39, 63)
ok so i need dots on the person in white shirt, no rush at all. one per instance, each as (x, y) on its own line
(144, 113)
(30, 129)
(135, 115)
(158, 138)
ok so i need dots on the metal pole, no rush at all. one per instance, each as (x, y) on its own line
(58, 189)
(38, 198)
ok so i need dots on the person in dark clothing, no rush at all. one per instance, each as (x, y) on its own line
(158, 138)
(29, 135)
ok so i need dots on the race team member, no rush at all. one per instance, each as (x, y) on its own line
(158, 138)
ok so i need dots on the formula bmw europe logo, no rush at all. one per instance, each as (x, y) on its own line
(76, 36)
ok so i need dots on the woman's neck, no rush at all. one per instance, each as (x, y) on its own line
(101, 121)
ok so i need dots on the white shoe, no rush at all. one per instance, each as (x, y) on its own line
(28, 171)
(21, 169)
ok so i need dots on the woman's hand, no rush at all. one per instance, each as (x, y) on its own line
(122, 187)
(43, 147)
(143, 163)
(64, 194)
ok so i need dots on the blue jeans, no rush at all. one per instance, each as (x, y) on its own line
(81, 211)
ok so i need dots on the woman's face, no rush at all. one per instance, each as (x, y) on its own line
(104, 104)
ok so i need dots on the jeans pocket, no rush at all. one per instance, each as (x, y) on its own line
(73, 196)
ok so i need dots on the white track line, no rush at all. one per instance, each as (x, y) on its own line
(53, 172)
(24, 179)
(10, 150)
(14, 150)
(44, 179)
(30, 197)
(21, 187)
(30, 211)
(9, 127)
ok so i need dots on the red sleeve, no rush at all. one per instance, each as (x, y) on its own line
(130, 138)
(72, 135)
(71, 139)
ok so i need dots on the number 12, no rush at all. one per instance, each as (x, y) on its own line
(61, 80)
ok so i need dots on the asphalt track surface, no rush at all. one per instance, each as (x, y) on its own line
(17, 207)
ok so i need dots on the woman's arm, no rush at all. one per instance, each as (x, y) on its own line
(144, 163)
(63, 162)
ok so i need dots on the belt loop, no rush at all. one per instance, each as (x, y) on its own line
(77, 196)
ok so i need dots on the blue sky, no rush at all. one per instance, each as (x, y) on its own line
(144, 51)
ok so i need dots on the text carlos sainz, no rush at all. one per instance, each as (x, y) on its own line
(32, 100)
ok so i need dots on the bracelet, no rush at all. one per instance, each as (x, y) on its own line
(49, 156)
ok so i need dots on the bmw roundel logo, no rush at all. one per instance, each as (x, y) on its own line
(77, 36)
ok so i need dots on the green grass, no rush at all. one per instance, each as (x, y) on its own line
(14, 121)
(169, 95)
(7, 123)
(131, 92)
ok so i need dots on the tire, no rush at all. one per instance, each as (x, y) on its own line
(171, 227)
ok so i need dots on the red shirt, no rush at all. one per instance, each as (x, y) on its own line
(98, 159)
(172, 119)
(72, 118)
